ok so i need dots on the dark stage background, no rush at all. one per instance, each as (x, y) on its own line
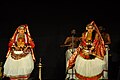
(49, 24)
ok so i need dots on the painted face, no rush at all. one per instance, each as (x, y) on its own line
(90, 29)
(21, 30)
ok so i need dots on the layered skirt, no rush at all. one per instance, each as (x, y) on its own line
(89, 69)
(18, 67)
(86, 68)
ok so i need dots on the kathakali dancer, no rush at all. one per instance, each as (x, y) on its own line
(20, 57)
(88, 58)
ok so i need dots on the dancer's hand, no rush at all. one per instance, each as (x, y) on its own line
(92, 48)
(33, 58)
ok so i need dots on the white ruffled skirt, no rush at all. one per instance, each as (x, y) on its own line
(20, 67)
(89, 68)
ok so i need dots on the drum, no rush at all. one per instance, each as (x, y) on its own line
(70, 74)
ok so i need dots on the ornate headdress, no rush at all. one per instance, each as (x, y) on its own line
(90, 25)
(25, 27)
(22, 27)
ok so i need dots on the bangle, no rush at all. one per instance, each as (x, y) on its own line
(92, 47)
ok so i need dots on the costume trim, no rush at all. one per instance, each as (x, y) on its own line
(18, 56)
(96, 77)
